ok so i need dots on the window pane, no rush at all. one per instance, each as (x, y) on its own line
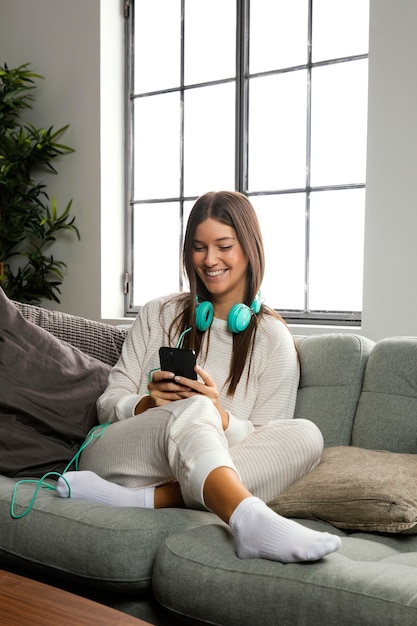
(283, 229)
(153, 278)
(278, 34)
(185, 141)
(210, 40)
(340, 29)
(209, 136)
(187, 206)
(339, 122)
(277, 131)
(157, 146)
(157, 45)
(336, 250)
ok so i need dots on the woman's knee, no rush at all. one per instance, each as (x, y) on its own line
(312, 438)
(196, 408)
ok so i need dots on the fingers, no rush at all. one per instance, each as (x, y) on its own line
(166, 387)
(205, 377)
(159, 376)
(163, 388)
(196, 384)
(207, 387)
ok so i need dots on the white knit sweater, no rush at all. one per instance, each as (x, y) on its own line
(274, 374)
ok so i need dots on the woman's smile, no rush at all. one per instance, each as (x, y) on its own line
(215, 274)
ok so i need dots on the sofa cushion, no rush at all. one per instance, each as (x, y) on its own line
(371, 580)
(87, 543)
(332, 369)
(99, 340)
(387, 409)
(48, 396)
(357, 489)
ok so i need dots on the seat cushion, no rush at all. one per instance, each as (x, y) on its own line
(86, 543)
(371, 580)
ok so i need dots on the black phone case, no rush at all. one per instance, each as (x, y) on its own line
(178, 360)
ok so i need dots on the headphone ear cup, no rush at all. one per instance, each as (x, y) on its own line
(256, 304)
(203, 315)
(239, 318)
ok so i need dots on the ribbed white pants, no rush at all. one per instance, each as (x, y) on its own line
(184, 440)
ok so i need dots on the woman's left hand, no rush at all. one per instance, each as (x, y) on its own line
(206, 388)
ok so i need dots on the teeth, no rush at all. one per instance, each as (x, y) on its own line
(217, 273)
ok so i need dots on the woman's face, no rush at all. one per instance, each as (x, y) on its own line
(220, 261)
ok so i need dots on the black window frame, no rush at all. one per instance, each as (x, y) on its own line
(242, 78)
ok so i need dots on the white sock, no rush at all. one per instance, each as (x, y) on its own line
(86, 485)
(261, 533)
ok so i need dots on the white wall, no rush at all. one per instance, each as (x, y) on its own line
(390, 295)
(65, 40)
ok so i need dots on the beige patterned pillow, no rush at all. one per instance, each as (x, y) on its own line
(99, 340)
(357, 489)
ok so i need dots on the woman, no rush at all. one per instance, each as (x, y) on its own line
(225, 442)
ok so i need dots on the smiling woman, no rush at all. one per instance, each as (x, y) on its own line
(226, 441)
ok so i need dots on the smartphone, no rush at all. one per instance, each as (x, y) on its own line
(178, 360)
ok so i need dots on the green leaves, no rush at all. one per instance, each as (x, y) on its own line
(25, 148)
(16, 87)
(52, 222)
(29, 222)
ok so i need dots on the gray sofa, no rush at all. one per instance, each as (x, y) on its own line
(179, 566)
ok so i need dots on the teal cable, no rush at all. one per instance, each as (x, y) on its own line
(94, 433)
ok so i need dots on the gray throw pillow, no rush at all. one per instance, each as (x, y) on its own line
(100, 340)
(48, 394)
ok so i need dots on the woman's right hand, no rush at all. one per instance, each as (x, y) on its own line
(163, 389)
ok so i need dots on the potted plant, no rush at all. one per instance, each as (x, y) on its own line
(29, 220)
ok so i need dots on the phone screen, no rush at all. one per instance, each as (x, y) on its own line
(178, 360)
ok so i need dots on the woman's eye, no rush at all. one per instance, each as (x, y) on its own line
(224, 248)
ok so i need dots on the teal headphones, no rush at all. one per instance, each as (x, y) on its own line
(237, 320)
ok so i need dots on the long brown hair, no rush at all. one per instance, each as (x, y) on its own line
(235, 210)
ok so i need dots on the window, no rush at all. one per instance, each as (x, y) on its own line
(268, 97)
